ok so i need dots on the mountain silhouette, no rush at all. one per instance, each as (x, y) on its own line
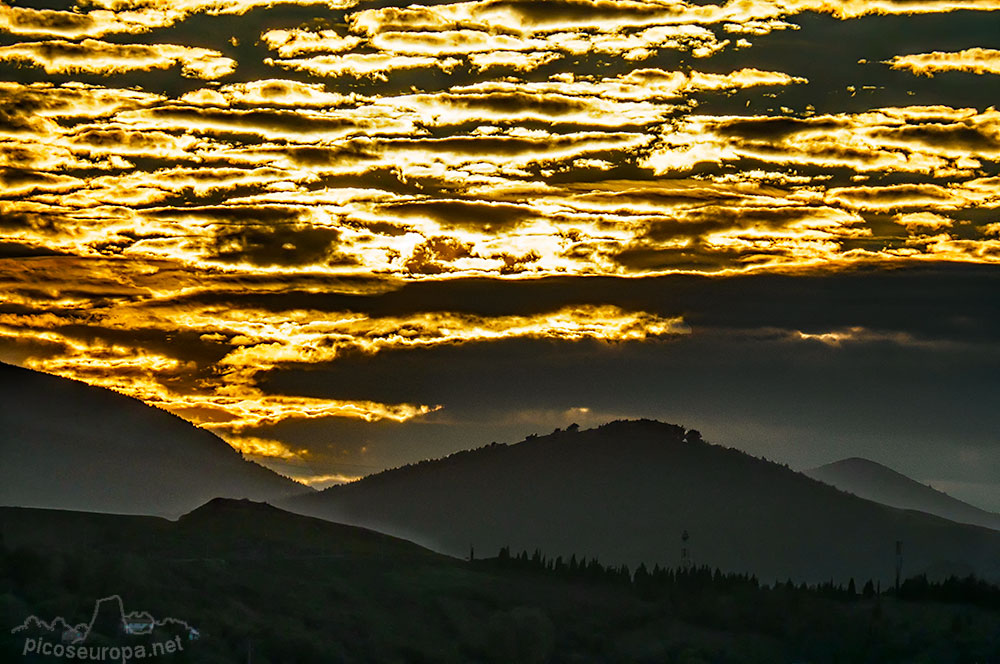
(69, 445)
(882, 484)
(221, 528)
(626, 491)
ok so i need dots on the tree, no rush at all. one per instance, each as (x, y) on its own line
(693, 436)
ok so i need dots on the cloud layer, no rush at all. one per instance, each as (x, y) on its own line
(193, 206)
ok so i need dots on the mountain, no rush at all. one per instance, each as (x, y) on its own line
(626, 491)
(65, 444)
(882, 484)
(221, 528)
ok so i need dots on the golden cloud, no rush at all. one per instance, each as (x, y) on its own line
(290, 43)
(975, 60)
(223, 395)
(525, 161)
(151, 377)
(360, 65)
(254, 446)
(921, 140)
(28, 22)
(325, 480)
(91, 56)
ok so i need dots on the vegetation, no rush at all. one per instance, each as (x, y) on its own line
(311, 591)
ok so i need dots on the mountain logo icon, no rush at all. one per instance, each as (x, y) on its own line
(111, 634)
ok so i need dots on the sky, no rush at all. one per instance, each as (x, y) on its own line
(349, 235)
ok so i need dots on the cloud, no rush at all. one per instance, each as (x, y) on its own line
(266, 448)
(304, 126)
(373, 184)
(521, 17)
(269, 244)
(974, 60)
(861, 335)
(91, 56)
(882, 140)
(272, 93)
(465, 214)
(165, 382)
(517, 60)
(290, 43)
(430, 256)
(323, 481)
(923, 221)
(359, 65)
(212, 377)
(29, 22)
(183, 8)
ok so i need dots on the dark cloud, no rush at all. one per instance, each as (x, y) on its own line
(517, 103)
(210, 120)
(18, 250)
(25, 180)
(697, 222)
(482, 216)
(118, 138)
(639, 257)
(951, 136)
(433, 255)
(48, 21)
(772, 128)
(497, 145)
(275, 244)
(307, 155)
(240, 214)
(953, 302)
(46, 224)
(903, 195)
(800, 401)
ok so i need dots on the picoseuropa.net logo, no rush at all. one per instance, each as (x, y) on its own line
(111, 636)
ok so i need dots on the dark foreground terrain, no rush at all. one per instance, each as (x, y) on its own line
(263, 585)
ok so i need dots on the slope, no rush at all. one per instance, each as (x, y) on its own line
(625, 492)
(65, 444)
(882, 484)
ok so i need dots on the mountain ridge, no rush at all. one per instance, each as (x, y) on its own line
(71, 445)
(625, 492)
(221, 527)
(875, 481)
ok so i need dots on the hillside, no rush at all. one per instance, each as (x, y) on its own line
(259, 584)
(69, 445)
(625, 492)
(882, 484)
(221, 528)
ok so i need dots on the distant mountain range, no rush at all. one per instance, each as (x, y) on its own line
(874, 481)
(623, 492)
(626, 491)
(65, 444)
